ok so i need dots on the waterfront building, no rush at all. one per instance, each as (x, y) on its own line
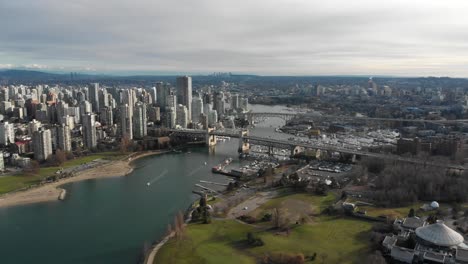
(197, 109)
(140, 121)
(212, 118)
(89, 131)
(171, 116)
(64, 137)
(182, 116)
(184, 94)
(126, 122)
(204, 121)
(42, 144)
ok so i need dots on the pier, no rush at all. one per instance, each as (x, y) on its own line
(206, 188)
(214, 183)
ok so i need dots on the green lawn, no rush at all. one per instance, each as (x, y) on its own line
(212, 243)
(10, 183)
(398, 212)
(341, 240)
(321, 202)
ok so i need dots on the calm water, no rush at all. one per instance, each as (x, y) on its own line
(108, 220)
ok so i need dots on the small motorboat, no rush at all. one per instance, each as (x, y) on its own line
(206, 163)
(148, 184)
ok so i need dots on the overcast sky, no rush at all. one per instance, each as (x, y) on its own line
(271, 37)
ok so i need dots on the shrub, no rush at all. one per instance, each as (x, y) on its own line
(254, 241)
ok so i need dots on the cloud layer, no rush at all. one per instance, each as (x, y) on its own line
(298, 37)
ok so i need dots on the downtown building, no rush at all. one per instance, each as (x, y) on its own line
(7, 133)
(184, 94)
(139, 121)
(126, 121)
(93, 92)
(42, 144)
(182, 116)
(106, 116)
(154, 114)
(162, 91)
(197, 109)
(64, 138)
(89, 131)
(171, 116)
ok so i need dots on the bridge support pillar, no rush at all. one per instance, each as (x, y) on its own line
(250, 119)
(297, 150)
(244, 145)
(210, 139)
(353, 158)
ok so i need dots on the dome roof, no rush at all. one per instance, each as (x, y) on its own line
(439, 234)
(435, 205)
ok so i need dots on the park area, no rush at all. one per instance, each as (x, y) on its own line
(331, 239)
(22, 180)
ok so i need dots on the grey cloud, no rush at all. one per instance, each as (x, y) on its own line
(262, 36)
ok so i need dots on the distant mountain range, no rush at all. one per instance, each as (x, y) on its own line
(23, 76)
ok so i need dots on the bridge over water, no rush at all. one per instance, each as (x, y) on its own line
(245, 141)
(252, 116)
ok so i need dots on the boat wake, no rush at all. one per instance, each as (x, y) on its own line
(196, 170)
(157, 178)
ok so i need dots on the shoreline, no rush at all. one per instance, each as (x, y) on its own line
(53, 191)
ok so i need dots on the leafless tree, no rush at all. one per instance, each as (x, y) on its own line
(60, 157)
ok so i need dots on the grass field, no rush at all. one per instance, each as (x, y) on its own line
(10, 183)
(339, 240)
(398, 212)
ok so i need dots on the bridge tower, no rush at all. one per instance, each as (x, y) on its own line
(210, 139)
(244, 145)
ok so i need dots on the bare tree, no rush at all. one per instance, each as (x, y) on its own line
(33, 168)
(278, 218)
(60, 157)
(125, 144)
(375, 258)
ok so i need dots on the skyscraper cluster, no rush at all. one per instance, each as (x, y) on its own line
(42, 119)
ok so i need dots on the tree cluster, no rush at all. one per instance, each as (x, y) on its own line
(285, 258)
(254, 241)
(202, 212)
(406, 183)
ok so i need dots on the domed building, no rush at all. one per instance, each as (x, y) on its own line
(438, 235)
(429, 243)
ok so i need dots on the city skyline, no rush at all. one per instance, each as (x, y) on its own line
(419, 38)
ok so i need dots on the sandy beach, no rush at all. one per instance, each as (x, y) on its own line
(51, 191)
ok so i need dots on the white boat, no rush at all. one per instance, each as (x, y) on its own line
(206, 163)
(148, 183)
